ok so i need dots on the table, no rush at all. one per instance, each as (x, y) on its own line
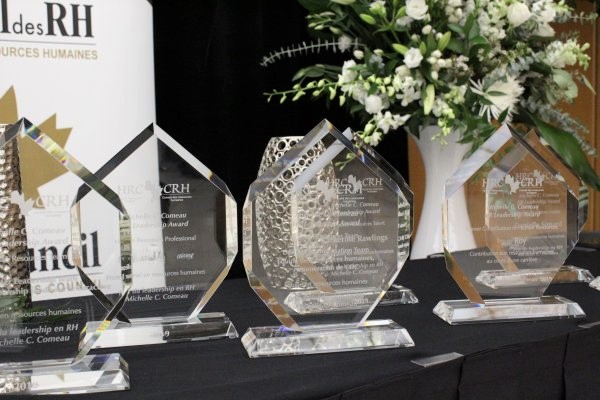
(547, 360)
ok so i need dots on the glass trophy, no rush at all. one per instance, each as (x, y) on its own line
(525, 220)
(326, 232)
(45, 298)
(277, 147)
(595, 284)
(183, 242)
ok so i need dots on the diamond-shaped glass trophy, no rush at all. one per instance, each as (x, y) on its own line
(524, 217)
(183, 241)
(45, 299)
(326, 232)
(276, 148)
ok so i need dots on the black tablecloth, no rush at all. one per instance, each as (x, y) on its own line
(521, 360)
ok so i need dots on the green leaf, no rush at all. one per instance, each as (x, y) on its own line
(495, 93)
(423, 48)
(444, 40)
(587, 83)
(429, 99)
(567, 147)
(431, 43)
(456, 45)
(503, 116)
(456, 28)
(367, 18)
(400, 48)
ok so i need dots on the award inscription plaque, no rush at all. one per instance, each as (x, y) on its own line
(45, 299)
(183, 241)
(524, 219)
(326, 232)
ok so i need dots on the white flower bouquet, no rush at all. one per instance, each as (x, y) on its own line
(463, 65)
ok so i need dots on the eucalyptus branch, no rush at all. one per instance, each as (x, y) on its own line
(305, 49)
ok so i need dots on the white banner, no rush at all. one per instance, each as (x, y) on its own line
(84, 69)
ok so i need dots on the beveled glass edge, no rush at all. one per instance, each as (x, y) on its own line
(474, 162)
(25, 128)
(290, 157)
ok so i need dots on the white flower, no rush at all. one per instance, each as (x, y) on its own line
(548, 14)
(413, 58)
(416, 9)
(426, 30)
(373, 104)
(344, 42)
(404, 21)
(402, 71)
(545, 30)
(378, 7)
(358, 54)
(389, 120)
(518, 13)
(348, 75)
(503, 94)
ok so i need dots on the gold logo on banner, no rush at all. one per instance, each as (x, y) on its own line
(34, 162)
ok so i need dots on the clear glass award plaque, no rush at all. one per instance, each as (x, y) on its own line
(595, 284)
(524, 217)
(45, 299)
(183, 241)
(278, 146)
(326, 232)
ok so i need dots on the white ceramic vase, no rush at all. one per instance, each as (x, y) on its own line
(440, 163)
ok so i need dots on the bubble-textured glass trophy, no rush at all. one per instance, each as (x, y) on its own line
(326, 232)
(183, 241)
(276, 148)
(45, 298)
(524, 217)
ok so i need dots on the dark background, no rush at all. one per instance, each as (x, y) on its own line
(209, 85)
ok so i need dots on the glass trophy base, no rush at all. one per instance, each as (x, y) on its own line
(497, 279)
(94, 373)
(506, 310)
(279, 341)
(146, 331)
(398, 294)
(595, 284)
(572, 274)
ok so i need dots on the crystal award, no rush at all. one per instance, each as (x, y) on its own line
(276, 148)
(326, 232)
(595, 284)
(524, 219)
(183, 241)
(45, 298)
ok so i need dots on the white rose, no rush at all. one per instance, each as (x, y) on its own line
(373, 104)
(348, 75)
(545, 30)
(416, 9)
(413, 58)
(518, 13)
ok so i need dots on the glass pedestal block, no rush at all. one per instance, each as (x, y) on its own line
(94, 373)
(595, 284)
(144, 331)
(278, 341)
(573, 274)
(506, 310)
(398, 294)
